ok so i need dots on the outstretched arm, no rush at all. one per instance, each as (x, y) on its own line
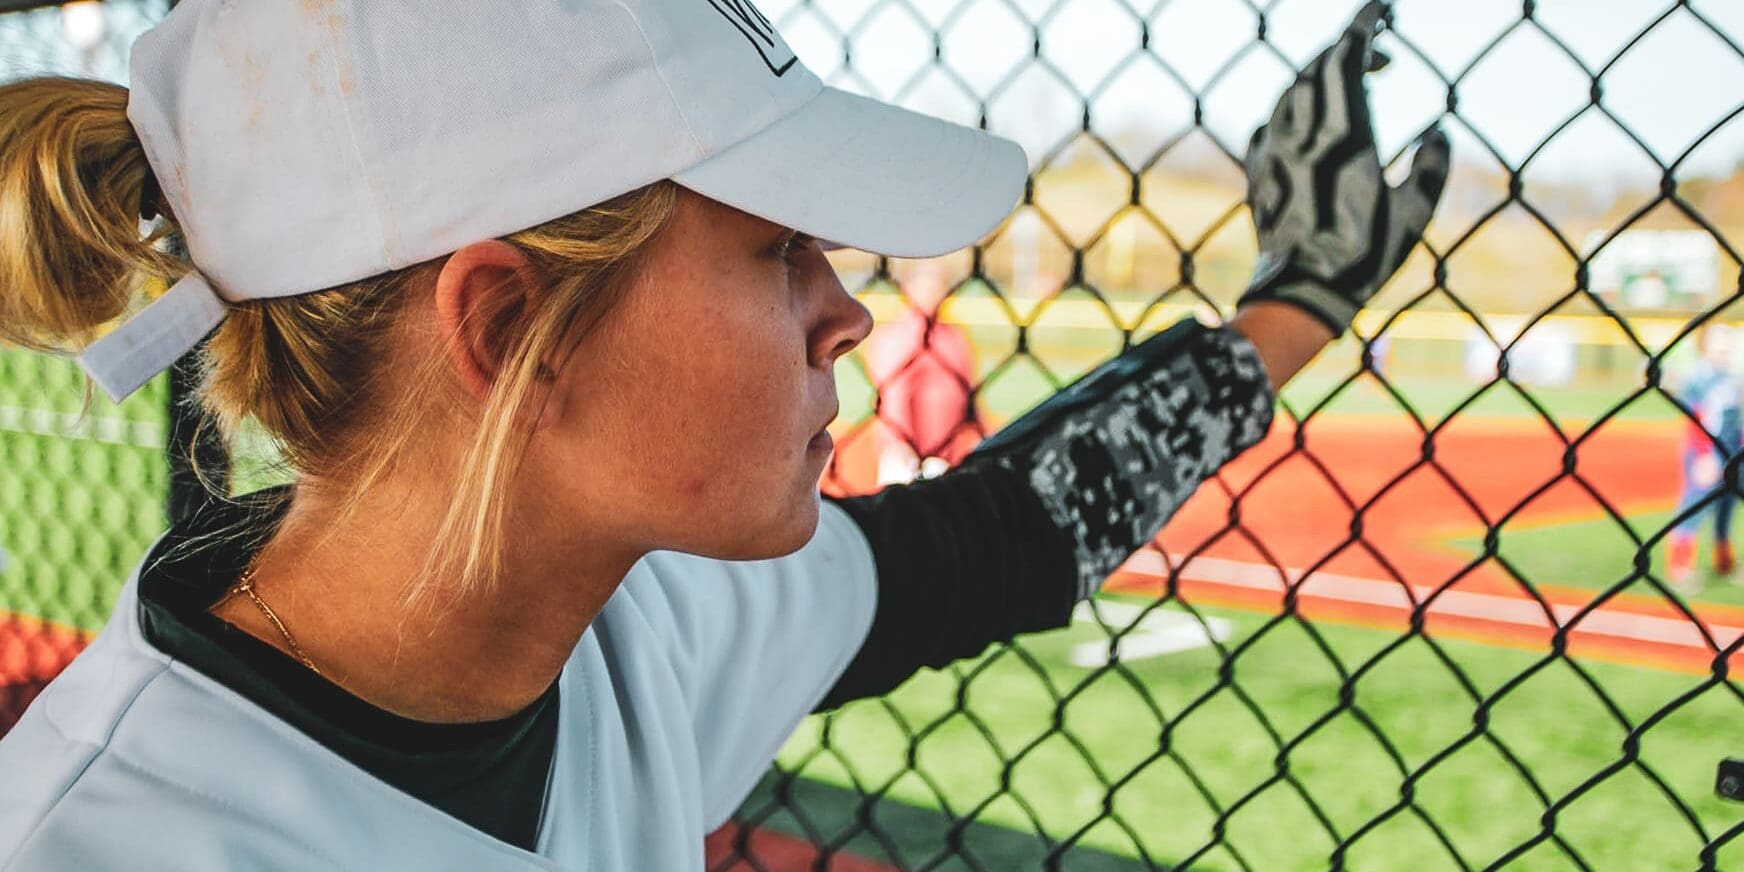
(1285, 337)
(1041, 513)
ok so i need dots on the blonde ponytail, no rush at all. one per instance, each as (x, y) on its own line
(72, 178)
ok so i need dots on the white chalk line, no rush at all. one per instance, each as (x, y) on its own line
(1608, 621)
(1153, 633)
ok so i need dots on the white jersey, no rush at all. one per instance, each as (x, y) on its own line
(673, 704)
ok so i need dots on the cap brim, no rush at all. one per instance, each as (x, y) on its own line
(864, 174)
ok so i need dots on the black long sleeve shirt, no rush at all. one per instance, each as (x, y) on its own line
(1047, 508)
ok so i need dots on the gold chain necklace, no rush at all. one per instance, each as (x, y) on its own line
(245, 585)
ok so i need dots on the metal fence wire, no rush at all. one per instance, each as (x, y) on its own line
(1431, 623)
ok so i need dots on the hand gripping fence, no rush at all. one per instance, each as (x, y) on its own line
(1439, 620)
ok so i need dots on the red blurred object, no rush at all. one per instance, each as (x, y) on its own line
(924, 371)
(736, 849)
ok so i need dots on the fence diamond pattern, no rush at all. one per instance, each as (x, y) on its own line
(1403, 744)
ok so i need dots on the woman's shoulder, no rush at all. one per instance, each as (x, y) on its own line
(132, 760)
(84, 703)
(119, 737)
(55, 747)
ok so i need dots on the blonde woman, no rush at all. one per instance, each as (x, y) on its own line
(532, 297)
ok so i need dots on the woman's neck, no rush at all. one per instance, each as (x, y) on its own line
(341, 593)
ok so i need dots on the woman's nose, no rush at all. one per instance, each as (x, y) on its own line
(845, 322)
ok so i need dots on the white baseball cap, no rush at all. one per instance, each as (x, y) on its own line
(305, 144)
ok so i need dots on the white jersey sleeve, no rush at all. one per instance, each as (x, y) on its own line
(756, 645)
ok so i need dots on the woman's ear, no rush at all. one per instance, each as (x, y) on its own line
(482, 288)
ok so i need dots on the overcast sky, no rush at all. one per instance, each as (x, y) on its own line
(1670, 88)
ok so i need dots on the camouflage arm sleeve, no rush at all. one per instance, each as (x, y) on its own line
(1040, 514)
(1113, 456)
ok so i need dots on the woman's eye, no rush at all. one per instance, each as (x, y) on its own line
(792, 247)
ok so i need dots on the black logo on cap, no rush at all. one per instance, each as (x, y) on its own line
(744, 16)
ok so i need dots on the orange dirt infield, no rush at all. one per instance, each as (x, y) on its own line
(1299, 510)
(769, 851)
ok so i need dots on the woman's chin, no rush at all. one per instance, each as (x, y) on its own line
(795, 531)
(775, 537)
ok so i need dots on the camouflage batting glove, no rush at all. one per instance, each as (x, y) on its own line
(1331, 231)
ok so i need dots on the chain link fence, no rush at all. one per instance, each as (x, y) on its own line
(1439, 620)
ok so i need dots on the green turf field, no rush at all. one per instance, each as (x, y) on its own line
(1598, 554)
(1434, 397)
(919, 750)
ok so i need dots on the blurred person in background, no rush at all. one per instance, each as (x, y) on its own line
(924, 371)
(1712, 434)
